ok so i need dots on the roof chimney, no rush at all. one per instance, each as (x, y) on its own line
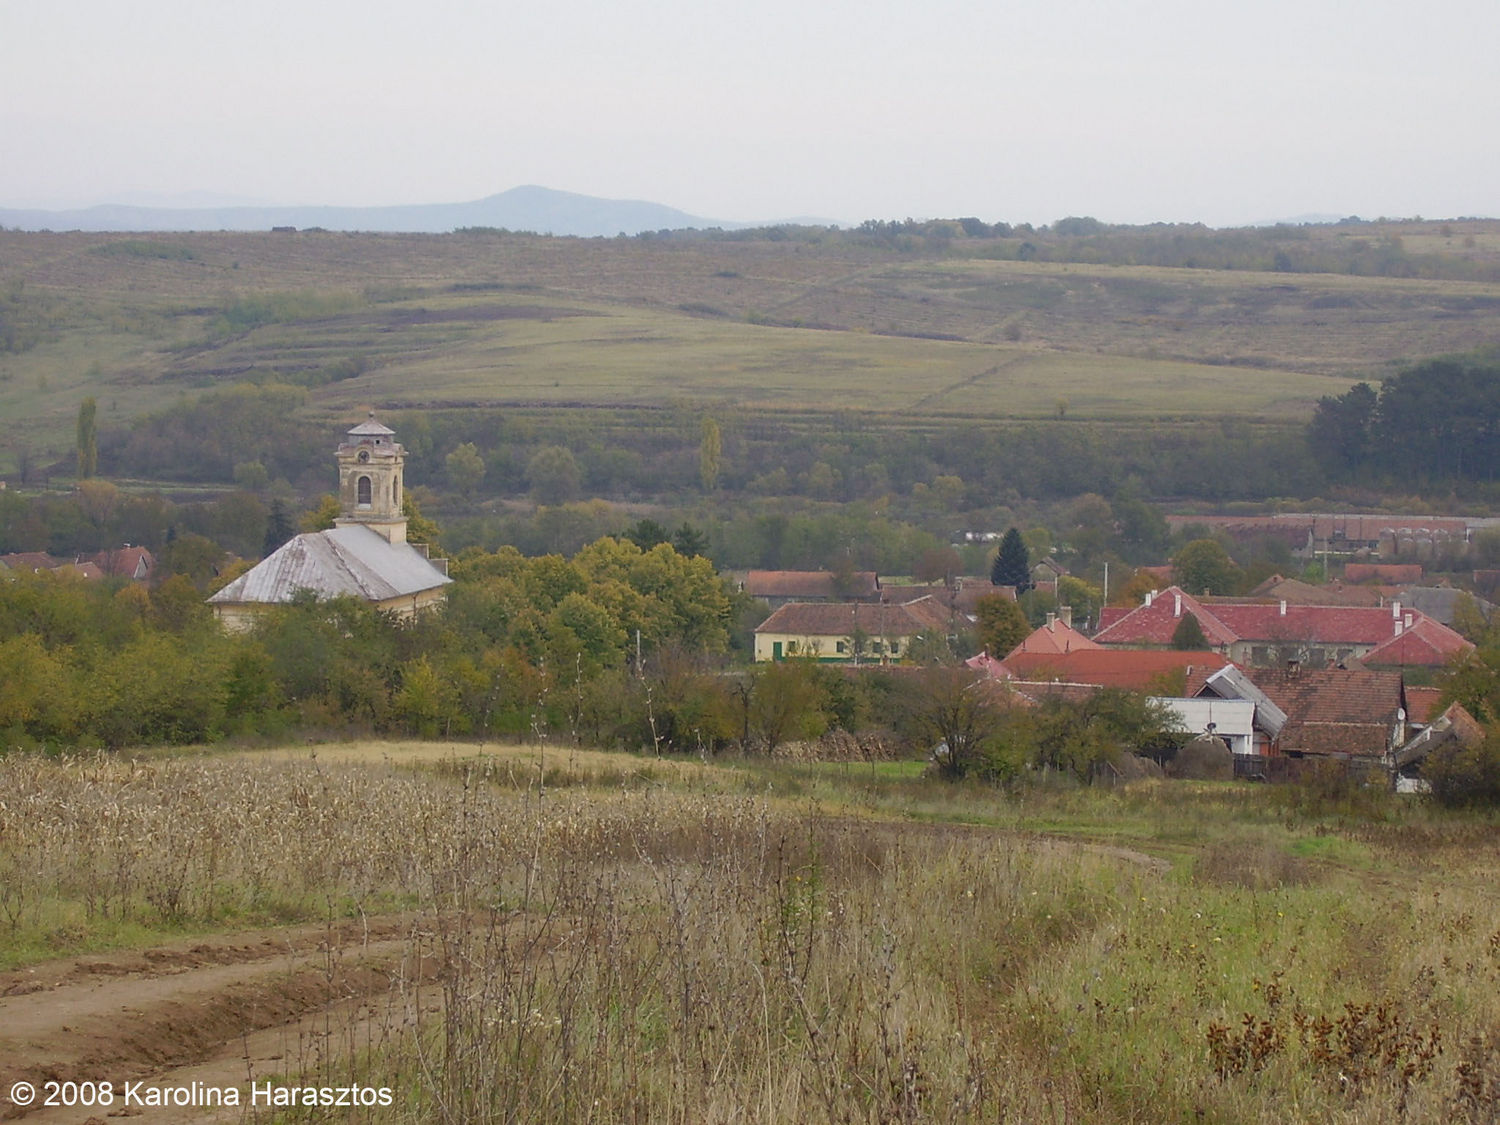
(1395, 610)
(1177, 604)
(1408, 620)
(1283, 607)
(1149, 595)
(1065, 615)
(1051, 620)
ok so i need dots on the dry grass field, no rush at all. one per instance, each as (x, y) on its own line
(538, 934)
(499, 319)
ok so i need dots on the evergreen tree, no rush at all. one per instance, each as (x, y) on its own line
(688, 541)
(279, 527)
(1012, 563)
(647, 533)
(1188, 636)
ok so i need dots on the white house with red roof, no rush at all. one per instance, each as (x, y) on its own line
(1258, 633)
(848, 632)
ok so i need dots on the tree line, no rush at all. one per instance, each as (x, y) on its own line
(1351, 246)
(557, 455)
(1433, 422)
(619, 646)
(616, 646)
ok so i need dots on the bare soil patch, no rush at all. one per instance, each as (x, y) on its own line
(222, 1010)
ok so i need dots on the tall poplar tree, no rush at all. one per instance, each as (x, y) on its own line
(710, 449)
(88, 439)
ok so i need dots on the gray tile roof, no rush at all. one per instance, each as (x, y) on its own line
(345, 560)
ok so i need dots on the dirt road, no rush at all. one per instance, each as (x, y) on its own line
(222, 1011)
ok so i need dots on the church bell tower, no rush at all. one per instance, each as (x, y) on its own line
(370, 480)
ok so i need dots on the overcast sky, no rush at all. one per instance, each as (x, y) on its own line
(1021, 110)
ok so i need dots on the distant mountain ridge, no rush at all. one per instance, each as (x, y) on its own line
(530, 208)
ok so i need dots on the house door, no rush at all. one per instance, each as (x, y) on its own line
(775, 650)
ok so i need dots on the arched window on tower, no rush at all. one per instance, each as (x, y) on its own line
(364, 492)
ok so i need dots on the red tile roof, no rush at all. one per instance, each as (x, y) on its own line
(30, 561)
(810, 584)
(843, 619)
(1422, 703)
(1156, 621)
(126, 562)
(1296, 592)
(1334, 711)
(1054, 637)
(79, 570)
(1132, 669)
(1225, 622)
(1427, 644)
(960, 596)
(1319, 624)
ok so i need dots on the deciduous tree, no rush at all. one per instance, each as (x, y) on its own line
(1002, 624)
(1204, 567)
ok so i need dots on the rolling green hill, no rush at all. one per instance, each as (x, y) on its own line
(926, 330)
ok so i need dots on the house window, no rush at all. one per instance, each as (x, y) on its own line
(791, 648)
(895, 648)
(841, 647)
(364, 492)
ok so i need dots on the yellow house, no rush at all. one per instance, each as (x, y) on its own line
(848, 632)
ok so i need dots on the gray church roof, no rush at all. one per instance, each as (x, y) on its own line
(345, 560)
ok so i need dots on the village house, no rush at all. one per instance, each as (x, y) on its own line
(1261, 634)
(1154, 671)
(134, 563)
(1454, 724)
(1345, 713)
(1055, 637)
(364, 555)
(38, 562)
(849, 632)
(1346, 534)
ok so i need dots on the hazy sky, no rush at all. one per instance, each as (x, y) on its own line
(1022, 110)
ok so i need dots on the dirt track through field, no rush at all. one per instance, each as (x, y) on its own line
(222, 1011)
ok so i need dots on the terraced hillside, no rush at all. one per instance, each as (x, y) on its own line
(495, 319)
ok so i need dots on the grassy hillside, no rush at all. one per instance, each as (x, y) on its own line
(837, 325)
(551, 935)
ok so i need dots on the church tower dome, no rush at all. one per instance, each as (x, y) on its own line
(371, 465)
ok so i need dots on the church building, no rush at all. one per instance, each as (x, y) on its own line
(365, 554)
